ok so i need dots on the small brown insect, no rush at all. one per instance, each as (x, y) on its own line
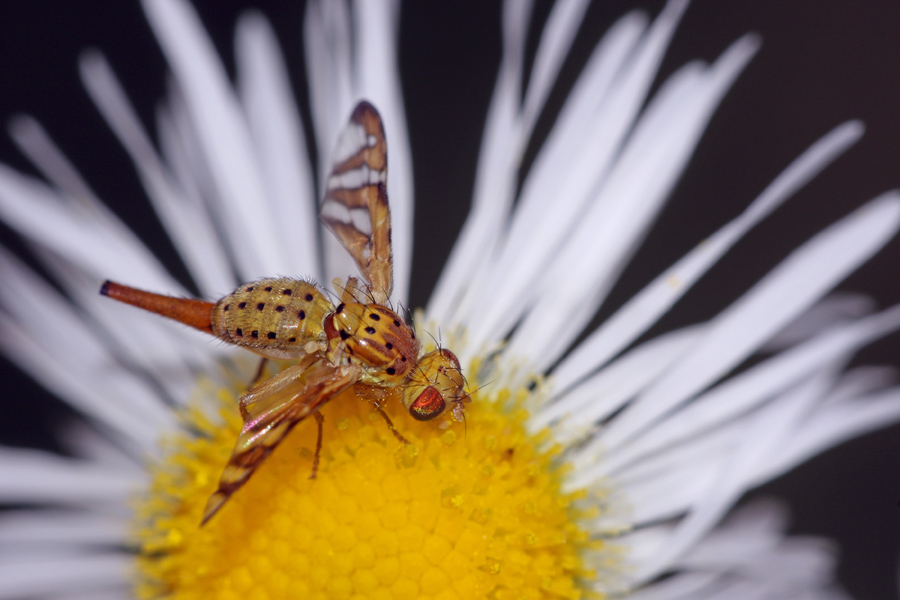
(361, 343)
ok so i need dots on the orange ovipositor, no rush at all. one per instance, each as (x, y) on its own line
(194, 313)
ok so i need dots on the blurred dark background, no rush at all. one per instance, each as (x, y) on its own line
(821, 63)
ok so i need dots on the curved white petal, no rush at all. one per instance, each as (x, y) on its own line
(571, 167)
(556, 39)
(742, 393)
(495, 177)
(61, 574)
(601, 395)
(224, 136)
(31, 476)
(653, 301)
(182, 213)
(46, 338)
(748, 556)
(776, 300)
(839, 307)
(84, 232)
(767, 430)
(22, 529)
(624, 207)
(280, 144)
(832, 426)
(378, 80)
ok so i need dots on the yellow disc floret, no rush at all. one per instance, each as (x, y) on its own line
(468, 511)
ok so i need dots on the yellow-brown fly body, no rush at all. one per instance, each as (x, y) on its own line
(360, 343)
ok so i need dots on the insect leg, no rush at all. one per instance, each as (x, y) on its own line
(390, 425)
(260, 373)
(315, 466)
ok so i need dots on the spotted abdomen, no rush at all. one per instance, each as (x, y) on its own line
(275, 317)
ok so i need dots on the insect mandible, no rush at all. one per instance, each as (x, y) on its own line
(360, 343)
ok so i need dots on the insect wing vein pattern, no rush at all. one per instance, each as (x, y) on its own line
(271, 413)
(355, 207)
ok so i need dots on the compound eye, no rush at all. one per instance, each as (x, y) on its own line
(428, 405)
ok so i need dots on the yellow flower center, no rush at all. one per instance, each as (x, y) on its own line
(470, 511)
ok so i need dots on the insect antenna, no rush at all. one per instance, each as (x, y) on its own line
(435, 340)
(422, 371)
(480, 387)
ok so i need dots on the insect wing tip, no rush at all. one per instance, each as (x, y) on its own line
(213, 505)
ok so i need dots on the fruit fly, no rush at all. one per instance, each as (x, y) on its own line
(361, 343)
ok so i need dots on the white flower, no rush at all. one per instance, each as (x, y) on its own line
(663, 428)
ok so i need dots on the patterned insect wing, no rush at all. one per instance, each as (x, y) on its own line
(270, 411)
(355, 206)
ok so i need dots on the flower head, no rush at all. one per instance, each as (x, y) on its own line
(590, 462)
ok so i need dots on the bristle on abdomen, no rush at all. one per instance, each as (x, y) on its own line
(194, 313)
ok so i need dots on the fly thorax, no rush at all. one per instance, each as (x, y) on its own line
(375, 338)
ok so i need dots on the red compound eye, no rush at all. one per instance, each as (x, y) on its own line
(428, 405)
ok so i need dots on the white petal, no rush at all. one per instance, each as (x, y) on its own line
(183, 215)
(114, 592)
(24, 528)
(171, 353)
(607, 391)
(746, 557)
(572, 165)
(498, 162)
(85, 232)
(327, 40)
(375, 58)
(329, 67)
(860, 381)
(32, 476)
(839, 307)
(516, 263)
(680, 586)
(831, 426)
(751, 544)
(768, 430)
(776, 300)
(34, 142)
(49, 574)
(83, 442)
(280, 143)
(667, 484)
(556, 39)
(223, 133)
(647, 306)
(624, 207)
(756, 385)
(45, 337)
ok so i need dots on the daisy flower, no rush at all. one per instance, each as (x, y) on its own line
(593, 461)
